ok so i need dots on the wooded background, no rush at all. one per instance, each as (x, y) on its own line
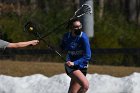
(116, 23)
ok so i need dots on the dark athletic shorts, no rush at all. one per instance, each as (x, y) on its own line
(71, 69)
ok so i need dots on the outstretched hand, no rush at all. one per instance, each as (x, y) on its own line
(34, 42)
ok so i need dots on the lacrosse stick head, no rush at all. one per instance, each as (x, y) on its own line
(84, 9)
(29, 27)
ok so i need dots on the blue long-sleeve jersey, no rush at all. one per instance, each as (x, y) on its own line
(78, 49)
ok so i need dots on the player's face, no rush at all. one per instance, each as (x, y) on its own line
(76, 25)
(76, 28)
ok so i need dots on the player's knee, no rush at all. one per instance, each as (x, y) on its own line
(85, 86)
(83, 89)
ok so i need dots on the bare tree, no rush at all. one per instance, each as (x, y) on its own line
(138, 12)
(101, 8)
(76, 4)
(132, 11)
(18, 8)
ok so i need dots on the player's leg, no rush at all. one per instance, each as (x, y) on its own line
(78, 78)
(74, 87)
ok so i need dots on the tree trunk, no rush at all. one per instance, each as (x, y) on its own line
(138, 12)
(122, 5)
(76, 4)
(132, 11)
(101, 8)
(33, 4)
(18, 8)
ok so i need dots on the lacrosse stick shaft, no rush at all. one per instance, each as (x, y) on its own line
(34, 32)
(50, 46)
(55, 29)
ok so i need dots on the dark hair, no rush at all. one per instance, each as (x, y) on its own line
(70, 22)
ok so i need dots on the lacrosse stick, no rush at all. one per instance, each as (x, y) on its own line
(29, 27)
(84, 9)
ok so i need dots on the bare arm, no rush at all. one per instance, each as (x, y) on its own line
(22, 44)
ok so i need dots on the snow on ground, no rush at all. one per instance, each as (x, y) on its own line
(39, 83)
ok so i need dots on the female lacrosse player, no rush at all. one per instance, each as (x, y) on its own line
(76, 43)
(5, 44)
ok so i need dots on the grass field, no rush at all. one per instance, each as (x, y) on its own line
(16, 68)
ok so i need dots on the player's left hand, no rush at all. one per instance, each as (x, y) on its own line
(69, 63)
